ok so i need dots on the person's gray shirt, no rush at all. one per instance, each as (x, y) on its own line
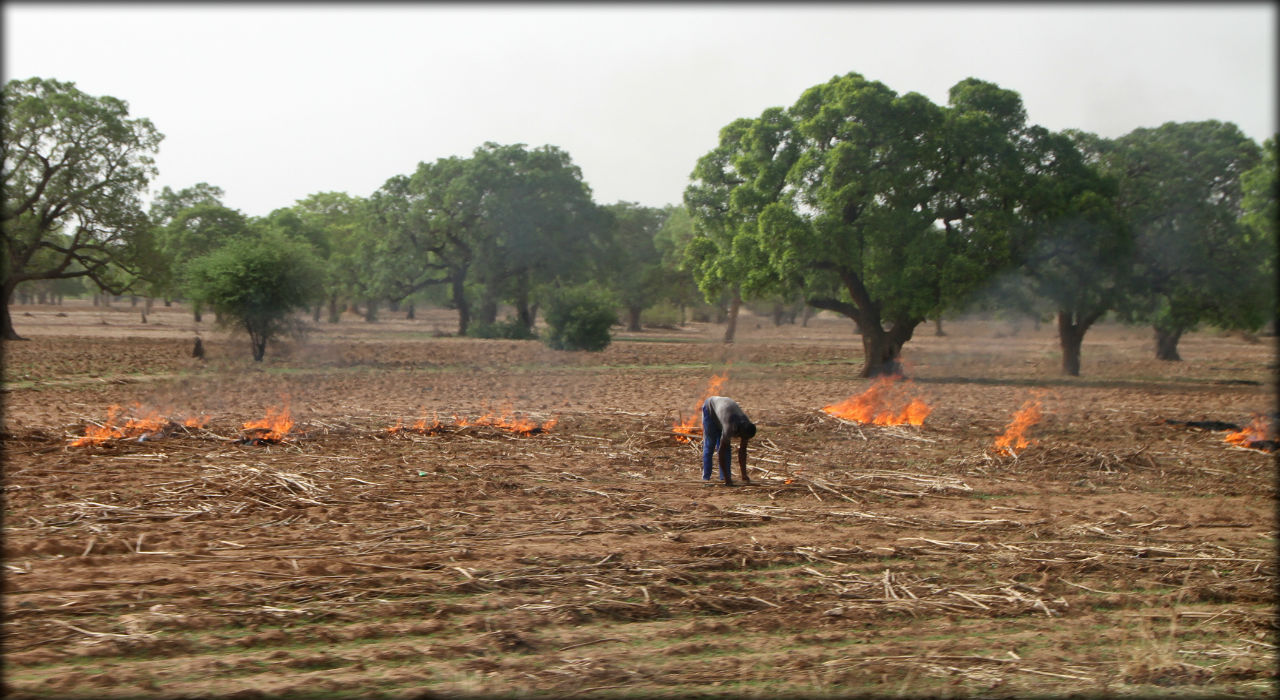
(729, 413)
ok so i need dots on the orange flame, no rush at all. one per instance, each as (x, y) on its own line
(96, 435)
(875, 406)
(422, 427)
(692, 425)
(150, 424)
(275, 426)
(197, 422)
(520, 425)
(1014, 436)
(1256, 432)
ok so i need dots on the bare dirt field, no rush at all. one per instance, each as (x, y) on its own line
(1118, 554)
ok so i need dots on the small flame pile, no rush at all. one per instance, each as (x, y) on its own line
(882, 404)
(422, 427)
(688, 427)
(144, 425)
(507, 420)
(274, 428)
(1258, 435)
(1014, 437)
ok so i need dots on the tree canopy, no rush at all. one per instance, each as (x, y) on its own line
(75, 166)
(1194, 263)
(257, 282)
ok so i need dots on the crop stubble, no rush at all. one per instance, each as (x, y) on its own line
(1116, 553)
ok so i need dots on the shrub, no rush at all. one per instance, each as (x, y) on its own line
(510, 329)
(663, 315)
(578, 318)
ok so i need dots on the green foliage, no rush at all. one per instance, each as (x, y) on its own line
(1261, 187)
(74, 168)
(257, 282)
(508, 329)
(886, 208)
(187, 224)
(1181, 192)
(579, 318)
(631, 262)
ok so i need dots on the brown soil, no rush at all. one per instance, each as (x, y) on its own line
(1118, 554)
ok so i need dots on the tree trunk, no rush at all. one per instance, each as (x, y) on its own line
(258, 341)
(335, 310)
(937, 328)
(7, 321)
(408, 313)
(523, 313)
(1070, 337)
(315, 312)
(881, 349)
(459, 293)
(731, 322)
(488, 312)
(371, 311)
(633, 318)
(1167, 344)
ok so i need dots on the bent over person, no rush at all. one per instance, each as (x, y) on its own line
(722, 420)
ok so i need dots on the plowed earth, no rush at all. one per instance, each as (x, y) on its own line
(1117, 554)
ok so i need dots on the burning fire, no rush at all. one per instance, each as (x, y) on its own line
(692, 425)
(145, 425)
(520, 425)
(422, 427)
(1014, 437)
(876, 406)
(1257, 435)
(274, 428)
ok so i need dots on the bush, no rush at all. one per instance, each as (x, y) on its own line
(578, 318)
(257, 283)
(510, 329)
(663, 315)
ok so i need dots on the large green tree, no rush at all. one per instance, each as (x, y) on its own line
(257, 282)
(74, 169)
(425, 230)
(896, 209)
(1080, 248)
(1261, 219)
(732, 185)
(633, 266)
(541, 227)
(338, 222)
(1195, 262)
(189, 223)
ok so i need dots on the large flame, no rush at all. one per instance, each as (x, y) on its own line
(274, 427)
(98, 434)
(1014, 437)
(692, 425)
(878, 405)
(143, 423)
(1256, 435)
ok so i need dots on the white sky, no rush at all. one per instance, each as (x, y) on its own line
(273, 103)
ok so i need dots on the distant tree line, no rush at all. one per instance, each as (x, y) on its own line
(886, 208)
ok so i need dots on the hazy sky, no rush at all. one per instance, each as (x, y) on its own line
(273, 103)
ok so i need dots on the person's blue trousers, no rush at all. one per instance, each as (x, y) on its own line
(711, 435)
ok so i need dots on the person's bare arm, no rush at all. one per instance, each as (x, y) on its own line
(742, 461)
